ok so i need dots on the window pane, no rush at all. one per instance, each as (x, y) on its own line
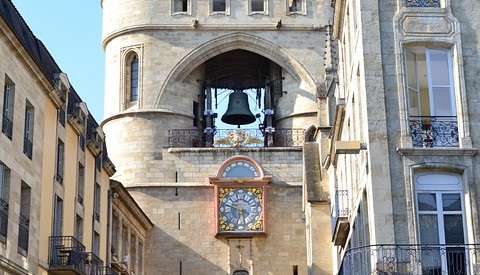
(427, 202)
(411, 70)
(453, 229)
(451, 202)
(257, 5)
(413, 101)
(439, 67)
(428, 229)
(180, 6)
(442, 102)
(218, 5)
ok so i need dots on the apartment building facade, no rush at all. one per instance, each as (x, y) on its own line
(54, 169)
(402, 161)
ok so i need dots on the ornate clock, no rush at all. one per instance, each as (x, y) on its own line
(239, 187)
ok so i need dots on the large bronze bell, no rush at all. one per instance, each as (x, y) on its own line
(238, 111)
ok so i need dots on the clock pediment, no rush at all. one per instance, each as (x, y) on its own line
(240, 169)
(239, 185)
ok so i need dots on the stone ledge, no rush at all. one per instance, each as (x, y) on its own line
(215, 149)
(437, 151)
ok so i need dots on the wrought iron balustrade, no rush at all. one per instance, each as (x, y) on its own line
(432, 259)
(7, 127)
(23, 233)
(424, 3)
(3, 219)
(27, 148)
(66, 253)
(434, 131)
(93, 264)
(340, 212)
(224, 138)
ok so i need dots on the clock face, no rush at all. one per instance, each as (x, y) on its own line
(240, 169)
(240, 209)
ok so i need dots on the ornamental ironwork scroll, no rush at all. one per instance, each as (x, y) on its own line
(434, 131)
(228, 138)
(424, 3)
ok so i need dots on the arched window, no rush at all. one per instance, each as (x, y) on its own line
(134, 79)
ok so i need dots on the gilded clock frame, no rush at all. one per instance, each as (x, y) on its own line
(223, 186)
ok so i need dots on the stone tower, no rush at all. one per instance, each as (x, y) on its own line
(169, 65)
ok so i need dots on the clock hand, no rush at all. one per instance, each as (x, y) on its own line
(240, 213)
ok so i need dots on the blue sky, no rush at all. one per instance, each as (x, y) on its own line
(72, 32)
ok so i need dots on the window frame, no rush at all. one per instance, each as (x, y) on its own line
(439, 183)
(8, 109)
(60, 167)
(127, 54)
(263, 12)
(301, 11)
(187, 12)
(28, 130)
(226, 12)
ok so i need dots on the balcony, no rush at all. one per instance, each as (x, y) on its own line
(93, 264)
(340, 222)
(3, 220)
(7, 127)
(66, 255)
(434, 131)
(461, 259)
(234, 138)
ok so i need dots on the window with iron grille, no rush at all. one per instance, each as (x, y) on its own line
(80, 183)
(8, 107)
(60, 160)
(431, 97)
(4, 193)
(97, 195)
(28, 130)
(24, 219)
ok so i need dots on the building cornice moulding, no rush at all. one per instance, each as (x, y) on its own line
(195, 26)
(437, 151)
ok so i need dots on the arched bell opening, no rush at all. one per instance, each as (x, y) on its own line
(245, 62)
(240, 88)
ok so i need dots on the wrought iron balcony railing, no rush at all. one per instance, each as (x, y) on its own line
(27, 148)
(424, 3)
(66, 253)
(224, 138)
(93, 264)
(340, 212)
(3, 220)
(7, 127)
(23, 233)
(434, 131)
(433, 259)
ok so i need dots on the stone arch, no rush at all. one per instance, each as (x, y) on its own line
(239, 41)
